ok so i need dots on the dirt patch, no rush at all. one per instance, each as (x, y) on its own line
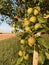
(5, 36)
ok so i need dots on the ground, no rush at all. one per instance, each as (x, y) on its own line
(5, 36)
(8, 49)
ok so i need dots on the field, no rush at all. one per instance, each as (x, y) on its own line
(9, 49)
(5, 36)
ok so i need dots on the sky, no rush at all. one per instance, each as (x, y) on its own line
(4, 27)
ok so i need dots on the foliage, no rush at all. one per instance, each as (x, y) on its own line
(13, 7)
(7, 7)
(33, 24)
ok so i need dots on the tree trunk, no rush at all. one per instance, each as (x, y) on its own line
(35, 58)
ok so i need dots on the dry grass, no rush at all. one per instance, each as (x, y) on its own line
(5, 36)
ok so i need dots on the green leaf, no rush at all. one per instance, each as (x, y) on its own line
(41, 1)
(42, 41)
(23, 0)
(30, 51)
(35, 1)
(19, 61)
(44, 26)
(22, 63)
(42, 20)
(47, 55)
(24, 35)
(41, 57)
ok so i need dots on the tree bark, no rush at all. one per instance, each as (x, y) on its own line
(35, 58)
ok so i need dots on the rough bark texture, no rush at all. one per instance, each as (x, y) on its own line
(35, 58)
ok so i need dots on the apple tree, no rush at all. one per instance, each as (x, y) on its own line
(33, 17)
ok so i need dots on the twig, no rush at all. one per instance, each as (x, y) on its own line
(16, 17)
(47, 16)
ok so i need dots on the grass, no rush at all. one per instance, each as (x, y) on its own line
(9, 49)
